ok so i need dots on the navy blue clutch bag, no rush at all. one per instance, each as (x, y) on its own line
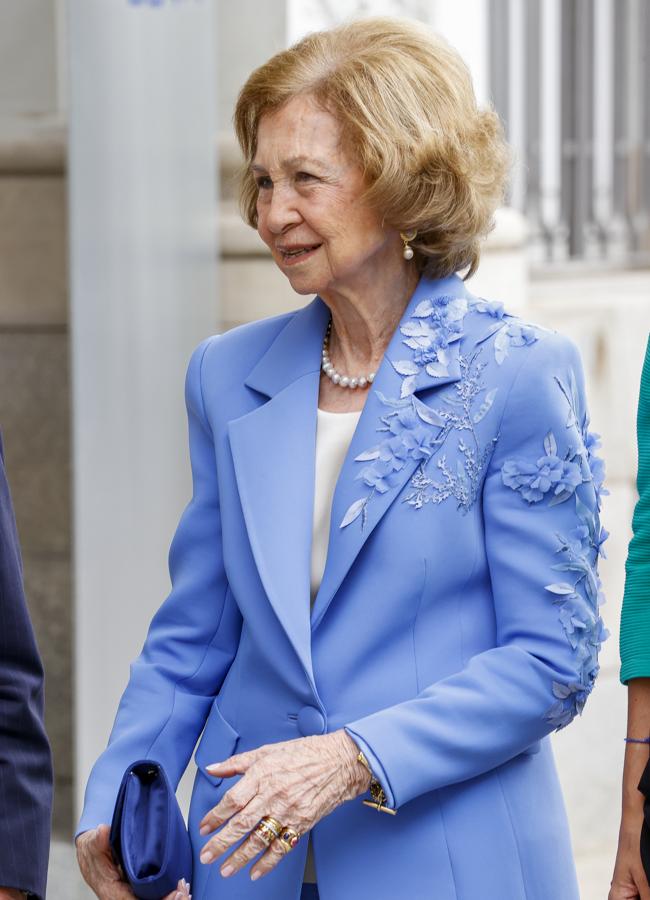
(148, 837)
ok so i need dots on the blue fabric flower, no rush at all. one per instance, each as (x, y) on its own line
(596, 465)
(556, 479)
(514, 334)
(580, 539)
(570, 703)
(408, 437)
(534, 480)
(493, 308)
(433, 326)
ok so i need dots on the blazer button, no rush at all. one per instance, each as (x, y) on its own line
(311, 721)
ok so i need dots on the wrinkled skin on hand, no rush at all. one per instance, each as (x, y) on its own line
(100, 872)
(297, 782)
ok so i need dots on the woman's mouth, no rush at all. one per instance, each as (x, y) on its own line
(293, 255)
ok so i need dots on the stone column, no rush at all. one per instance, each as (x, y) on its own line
(143, 282)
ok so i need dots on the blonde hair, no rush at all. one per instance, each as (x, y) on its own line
(432, 160)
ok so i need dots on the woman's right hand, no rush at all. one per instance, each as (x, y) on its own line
(629, 881)
(100, 872)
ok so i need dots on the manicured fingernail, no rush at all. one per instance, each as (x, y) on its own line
(227, 870)
(213, 766)
(206, 856)
(255, 875)
(204, 829)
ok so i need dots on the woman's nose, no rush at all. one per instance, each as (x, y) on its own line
(282, 211)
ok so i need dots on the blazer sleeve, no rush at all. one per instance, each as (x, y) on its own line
(25, 758)
(635, 617)
(191, 641)
(542, 540)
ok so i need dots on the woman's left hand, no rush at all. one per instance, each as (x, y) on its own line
(297, 782)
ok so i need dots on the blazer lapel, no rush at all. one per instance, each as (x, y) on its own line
(355, 501)
(273, 450)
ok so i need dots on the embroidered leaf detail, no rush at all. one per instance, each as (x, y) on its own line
(456, 309)
(354, 511)
(562, 497)
(413, 329)
(368, 454)
(574, 391)
(561, 690)
(437, 370)
(501, 344)
(560, 588)
(550, 444)
(408, 386)
(496, 326)
(423, 309)
(405, 367)
(428, 415)
(587, 516)
(486, 406)
(556, 712)
(389, 401)
(571, 417)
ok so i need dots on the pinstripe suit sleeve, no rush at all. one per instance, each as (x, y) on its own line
(25, 759)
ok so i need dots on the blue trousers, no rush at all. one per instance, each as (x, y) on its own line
(309, 892)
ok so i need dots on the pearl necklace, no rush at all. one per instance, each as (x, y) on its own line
(335, 377)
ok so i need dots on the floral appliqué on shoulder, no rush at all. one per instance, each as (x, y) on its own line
(415, 431)
(555, 479)
(509, 331)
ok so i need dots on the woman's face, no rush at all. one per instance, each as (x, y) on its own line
(309, 211)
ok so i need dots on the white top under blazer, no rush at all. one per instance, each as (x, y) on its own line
(333, 435)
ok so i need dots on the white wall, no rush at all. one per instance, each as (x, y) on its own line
(143, 276)
(28, 57)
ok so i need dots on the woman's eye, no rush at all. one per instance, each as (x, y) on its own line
(305, 176)
(264, 182)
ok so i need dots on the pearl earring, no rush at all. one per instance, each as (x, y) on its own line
(407, 236)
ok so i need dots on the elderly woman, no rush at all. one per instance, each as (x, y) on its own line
(418, 463)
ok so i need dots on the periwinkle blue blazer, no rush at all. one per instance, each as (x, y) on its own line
(456, 624)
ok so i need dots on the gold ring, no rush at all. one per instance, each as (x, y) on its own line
(268, 829)
(264, 832)
(288, 839)
(274, 824)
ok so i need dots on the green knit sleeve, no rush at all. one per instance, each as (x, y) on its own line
(635, 619)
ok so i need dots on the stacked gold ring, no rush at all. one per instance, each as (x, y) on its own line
(268, 829)
(288, 839)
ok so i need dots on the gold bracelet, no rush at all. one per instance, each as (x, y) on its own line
(379, 799)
